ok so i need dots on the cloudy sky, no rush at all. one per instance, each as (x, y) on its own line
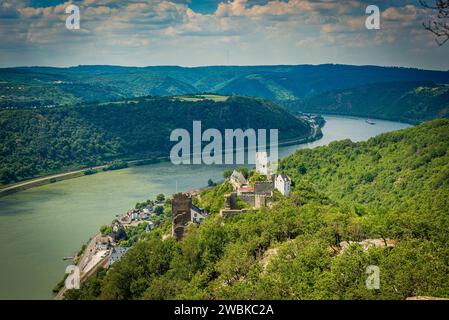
(217, 32)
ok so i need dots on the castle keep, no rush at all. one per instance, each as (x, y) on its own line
(181, 209)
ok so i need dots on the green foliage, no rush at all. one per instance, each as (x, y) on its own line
(227, 173)
(60, 284)
(130, 277)
(105, 230)
(81, 251)
(211, 183)
(90, 172)
(134, 234)
(167, 211)
(116, 165)
(240, 204)
(159, 210)
(212, 200)
(256, 176)
(244, 171)
(392, 186)
(141, 205)
(400, 170)
(160, 197)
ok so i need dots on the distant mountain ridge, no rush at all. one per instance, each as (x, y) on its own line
(40, 86)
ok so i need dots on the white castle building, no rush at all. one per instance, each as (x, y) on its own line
(283, 183)
(262, 163)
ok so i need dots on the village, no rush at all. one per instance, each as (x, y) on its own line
(110, 244)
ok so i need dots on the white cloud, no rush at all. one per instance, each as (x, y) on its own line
(152, 27)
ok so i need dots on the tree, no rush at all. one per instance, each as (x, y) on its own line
(159, 210)
(140, 205)
(438, 24)
(105, 230)
(160, 197)
(227, 173)
(211, 183)
(7, 176)
(256, 176)
(244, 171)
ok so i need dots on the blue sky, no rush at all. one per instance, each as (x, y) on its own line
(217, 32)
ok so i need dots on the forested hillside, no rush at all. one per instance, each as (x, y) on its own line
(394, 186)
(43, 86)
(412, 102)
(39, 141)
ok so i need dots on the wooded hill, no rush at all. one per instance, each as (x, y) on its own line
(412, 102)
(41, 86)
(44, 140)
(394, 187)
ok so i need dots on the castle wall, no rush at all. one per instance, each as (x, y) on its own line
(248, 198)
(227, 213)
(230, 201)
(263, 187)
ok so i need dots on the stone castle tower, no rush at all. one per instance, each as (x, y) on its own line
(262, 163)
(181, 214)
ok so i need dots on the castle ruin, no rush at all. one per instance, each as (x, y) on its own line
(181, 214)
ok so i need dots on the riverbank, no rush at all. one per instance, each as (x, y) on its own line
(28, 184)
(41, 181)
(87, 266)
(356, 115)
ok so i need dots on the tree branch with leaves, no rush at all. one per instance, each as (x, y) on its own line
(438, 23)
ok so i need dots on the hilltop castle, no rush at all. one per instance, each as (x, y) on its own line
(258, 195)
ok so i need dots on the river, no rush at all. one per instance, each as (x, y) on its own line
(40, 226)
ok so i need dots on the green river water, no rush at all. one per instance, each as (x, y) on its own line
(40, 226)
